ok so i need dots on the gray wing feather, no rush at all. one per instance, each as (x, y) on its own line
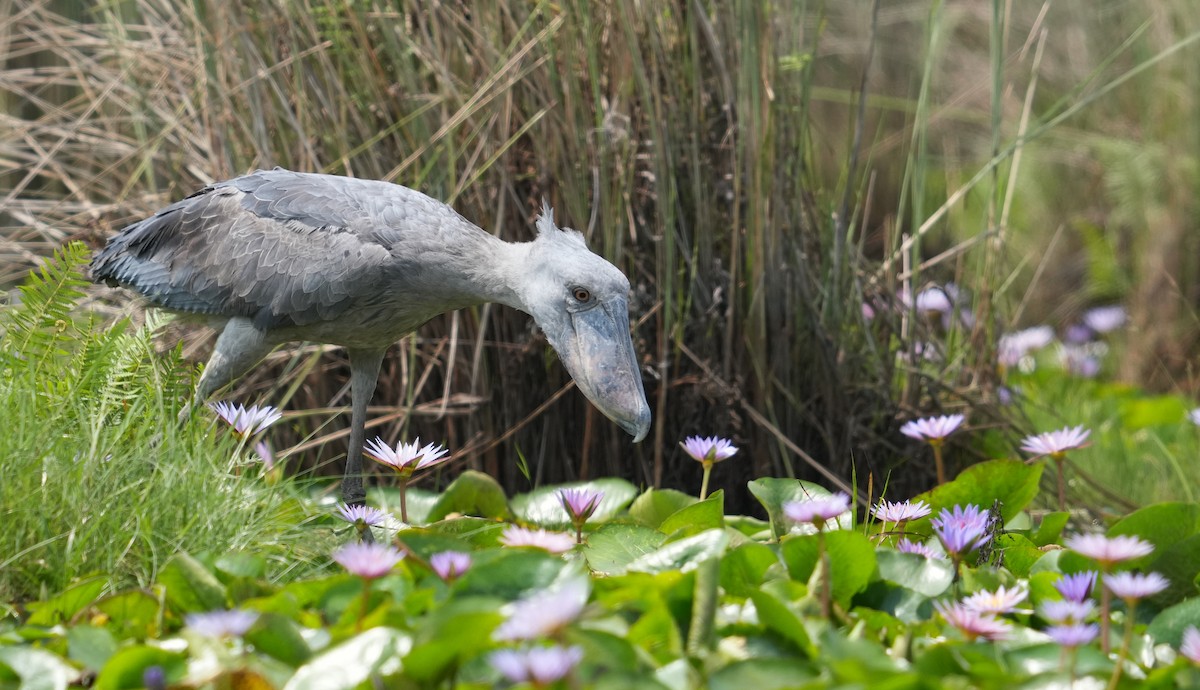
(279, 247)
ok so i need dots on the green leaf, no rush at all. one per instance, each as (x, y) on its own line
(1011, 482)
(743, 568)
(656, 505)
(762, 674)
(1180, 564)
(473, 530)
(64, 606)
(90, 646)
(376, 652)
(610, 549)
(1050, 528)
(450, 635)
(704, 515)
(37, 668)
(190, 587)
(472, 493)
(655, 632)
(134, 613)
(1168, 626)
(542, 506)
(510, 574)
(1019, 553)
(928, 576)
(775, 615)
(605, 650)
(851, 561)
(1161, 524)
(1149, 411)
(239, 564)
(126, 668)
(279, 637)
(683, 555)
(773, 493)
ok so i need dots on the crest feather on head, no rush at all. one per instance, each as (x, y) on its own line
(547, 230)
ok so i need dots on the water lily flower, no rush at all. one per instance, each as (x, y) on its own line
(1108, 550)
(263, 450)
(154, 678)
(246, 421)
(580, 503)
(1066, 610)
(1013, 347)
(1080, 361)
(932, 299)
(1073, 634)
(972, 624)
(368, 560)
(818, 510)
(406, 458)
(1130, 586)
(707, 451)
(544, 613)
(932, 429)
(710, 450)
(1076, 587)
(1105, 319)
(900, 511)
(961, 530)
(1056, 443)
(1001, 601)
(218, 624)
(909, 546)
(361, 516)
(538, 665)
(450, 564)
(554, 542)
(1190, 645)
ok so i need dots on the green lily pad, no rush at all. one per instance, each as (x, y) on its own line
(683, 555)
(610, 549)
(542, 506)
(190, 587)
(37, 668)
(376, 652)
(127, 667)
(851, 561)
(656, 505)
(472, 493)
(928, 576)
(773, 493)
(696, 518)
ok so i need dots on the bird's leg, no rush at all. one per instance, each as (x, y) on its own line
(364, 374)
(239, 347)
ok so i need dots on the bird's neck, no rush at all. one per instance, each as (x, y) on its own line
(490, 269)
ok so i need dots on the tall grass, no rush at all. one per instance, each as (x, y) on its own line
(709, 149)
(98, 475)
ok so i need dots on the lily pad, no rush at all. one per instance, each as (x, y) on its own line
(542, 506)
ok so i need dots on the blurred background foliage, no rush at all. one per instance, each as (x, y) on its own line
(760, 170)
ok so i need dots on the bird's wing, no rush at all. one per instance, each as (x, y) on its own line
(282, 248)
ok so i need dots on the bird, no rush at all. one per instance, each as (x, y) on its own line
(277, 256)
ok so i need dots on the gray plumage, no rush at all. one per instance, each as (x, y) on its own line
(277, 256)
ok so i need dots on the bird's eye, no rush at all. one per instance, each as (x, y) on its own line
(582, 294)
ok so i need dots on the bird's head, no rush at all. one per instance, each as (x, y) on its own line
(580, 301)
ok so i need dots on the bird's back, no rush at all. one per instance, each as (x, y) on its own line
(288, 250)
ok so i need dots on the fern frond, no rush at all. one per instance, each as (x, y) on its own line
(41, 327)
